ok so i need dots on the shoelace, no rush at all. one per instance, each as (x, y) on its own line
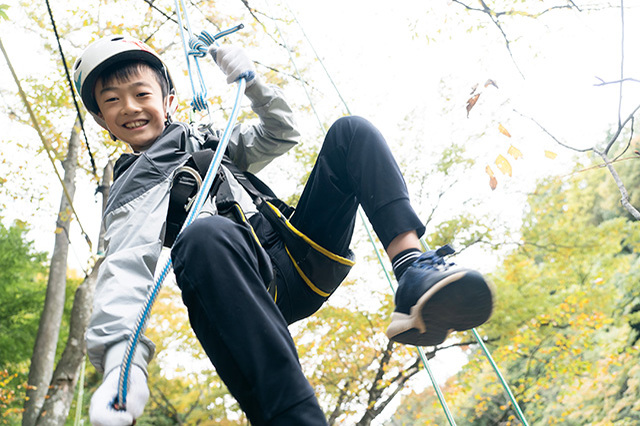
(434, 259)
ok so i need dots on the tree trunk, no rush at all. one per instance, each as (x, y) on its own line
(58, 402)
(44, 351)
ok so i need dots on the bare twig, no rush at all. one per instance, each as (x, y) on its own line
(603, 83)
(495, 18)
(551, 135)
(623, 191)
(621, 62)
(628, 142)
(621, 126)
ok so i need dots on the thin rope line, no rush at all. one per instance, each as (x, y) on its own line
(434, 383)
(73, 93)
(504, 383)
(201, 197)
(46, 144)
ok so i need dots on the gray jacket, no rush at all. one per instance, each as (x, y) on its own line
(135, 217)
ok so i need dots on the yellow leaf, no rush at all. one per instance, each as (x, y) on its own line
(504, 131)
(489, 171)
(503, 165)
(550, 154)
(58, 230)
(515, 152)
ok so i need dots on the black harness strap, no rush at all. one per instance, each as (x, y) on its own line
(186, 184)
(321, 270)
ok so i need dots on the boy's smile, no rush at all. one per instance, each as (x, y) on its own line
(134, 110)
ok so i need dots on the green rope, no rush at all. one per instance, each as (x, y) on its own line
(439, 393)
(503, 382)
(364, 221)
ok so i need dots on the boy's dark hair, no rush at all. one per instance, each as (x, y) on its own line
(123, 71)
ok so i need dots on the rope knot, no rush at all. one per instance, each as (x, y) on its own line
(198, 47)
(199, 102)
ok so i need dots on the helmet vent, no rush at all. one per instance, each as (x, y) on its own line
(117, 38)
(77, 64)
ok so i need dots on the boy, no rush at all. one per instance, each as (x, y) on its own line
(244, 280)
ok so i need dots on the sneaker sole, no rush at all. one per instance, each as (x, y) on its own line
(459, 302)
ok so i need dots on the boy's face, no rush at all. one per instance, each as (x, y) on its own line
(134, 110)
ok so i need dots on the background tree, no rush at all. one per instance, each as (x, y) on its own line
(21, 292)
(565, 317)
(445, 195)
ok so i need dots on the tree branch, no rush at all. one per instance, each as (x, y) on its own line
(604, 83)
(623, 191)
(551, 135)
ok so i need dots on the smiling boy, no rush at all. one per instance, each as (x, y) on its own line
(135, 108)
(249, 265)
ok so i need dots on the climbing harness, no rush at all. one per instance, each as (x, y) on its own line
(322, 270)
(439, 393)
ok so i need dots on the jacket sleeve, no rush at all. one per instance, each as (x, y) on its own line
(134, 222)
(253, 146)
(124, 279)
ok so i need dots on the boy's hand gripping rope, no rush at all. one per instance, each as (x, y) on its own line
(120, 402)
(199, 47)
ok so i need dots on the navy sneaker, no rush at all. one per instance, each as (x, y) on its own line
(435, 298)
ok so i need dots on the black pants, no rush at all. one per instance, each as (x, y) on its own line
(223, 272)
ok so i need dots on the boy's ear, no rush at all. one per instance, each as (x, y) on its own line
(171, 104)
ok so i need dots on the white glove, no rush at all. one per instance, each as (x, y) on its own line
(234, 63)
(102, 412)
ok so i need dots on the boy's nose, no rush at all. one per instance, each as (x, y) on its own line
(130, 106)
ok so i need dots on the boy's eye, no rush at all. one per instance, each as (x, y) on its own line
(112, 99)
(141, 94)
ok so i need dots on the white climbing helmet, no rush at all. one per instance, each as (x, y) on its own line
(103, 53)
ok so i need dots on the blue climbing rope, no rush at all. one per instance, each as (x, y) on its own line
(199, 48)
(164, 271)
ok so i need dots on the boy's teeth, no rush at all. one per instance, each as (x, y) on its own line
(134, 124)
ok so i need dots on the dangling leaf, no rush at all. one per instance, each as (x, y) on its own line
(489, 171)
(493, 182)
(504, 131)
(503, 165)
(515, 152)
(471, 102)
(550, 154)
(473, 89)
(490, 83)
